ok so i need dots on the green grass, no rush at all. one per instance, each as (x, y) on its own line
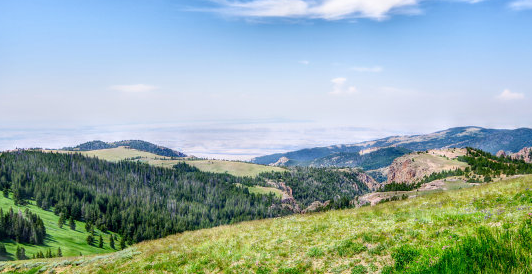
(217, 166)
(72, 242)
(427, 234)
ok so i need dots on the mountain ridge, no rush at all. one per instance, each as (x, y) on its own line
(490, 140)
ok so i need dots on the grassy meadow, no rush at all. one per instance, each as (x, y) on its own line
(485, 228)
(72, 242)
(217, 166)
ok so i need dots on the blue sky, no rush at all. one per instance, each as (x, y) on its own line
(390, 66)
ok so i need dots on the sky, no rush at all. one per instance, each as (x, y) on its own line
(237, 79)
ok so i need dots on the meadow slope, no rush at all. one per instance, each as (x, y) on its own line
(71, 242)
(217, 166)
(416, 235)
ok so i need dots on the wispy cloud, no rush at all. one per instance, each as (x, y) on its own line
(521, 4)
(340, 87)
(320, 9)
(133, 88)
(507, 95)
(368, 69)
(304, 62)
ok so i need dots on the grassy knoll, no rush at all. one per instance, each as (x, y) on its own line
(72, 242)
(217, 166)
(486, 229)
(264, 190)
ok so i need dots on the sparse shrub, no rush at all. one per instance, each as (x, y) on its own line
(263, 270)
(377, 250)
(404, 255)
(349, 248)
(359, 269)
(315, 252)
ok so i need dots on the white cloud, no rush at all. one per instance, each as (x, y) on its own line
(507, 95)
(340, 88)
(367, 69)
(133, 88)
(322, 9)
(304, 62)
(521, 4)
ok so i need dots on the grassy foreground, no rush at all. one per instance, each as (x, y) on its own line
(72, 242)
(486, 229)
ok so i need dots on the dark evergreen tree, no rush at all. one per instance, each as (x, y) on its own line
(61, 220)
(3, 250)
(72, 223)
(90, 239)
(20, 254)
(59, 252)
(100, 243)
(111, 241)
(122, 243)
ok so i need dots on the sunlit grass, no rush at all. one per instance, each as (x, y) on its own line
(72, 242)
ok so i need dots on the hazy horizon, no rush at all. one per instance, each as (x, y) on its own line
(228, 141)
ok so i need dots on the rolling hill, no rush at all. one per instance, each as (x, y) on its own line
(133, 144)
(436, 233)
(490, 140)
(217, 166)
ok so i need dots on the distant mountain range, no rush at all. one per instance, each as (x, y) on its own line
(380, 153)
(134, 144)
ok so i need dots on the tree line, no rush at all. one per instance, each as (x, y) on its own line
(21, 227)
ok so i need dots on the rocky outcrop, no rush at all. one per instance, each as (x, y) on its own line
(287, 200)
(524, 154)
(315, 206)
(368, 181)
(281, 162)
(403, 170)
(501, 153)
(414, 167)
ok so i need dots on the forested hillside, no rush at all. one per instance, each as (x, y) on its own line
(368, 161)
(136, 200)
(319, 184)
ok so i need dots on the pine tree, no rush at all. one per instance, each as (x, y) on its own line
(122, 243)
(3, 250)
(111, 242)
(88, 226)
(100, 245)
(90, 239)
(61, 221)
(20, 253)
(72, 223)
(59, 252)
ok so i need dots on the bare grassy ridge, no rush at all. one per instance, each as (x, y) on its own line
(217, 166)
(413, 236)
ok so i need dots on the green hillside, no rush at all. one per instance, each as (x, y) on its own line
(486, 228)
(72, 242)
(218, 166)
